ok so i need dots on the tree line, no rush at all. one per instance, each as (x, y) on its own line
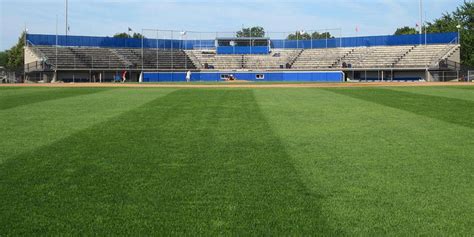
(258, 31)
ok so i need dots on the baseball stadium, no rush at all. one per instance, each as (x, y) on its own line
(430, 57)
(247, 132)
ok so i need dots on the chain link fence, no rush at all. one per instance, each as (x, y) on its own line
(470, 76)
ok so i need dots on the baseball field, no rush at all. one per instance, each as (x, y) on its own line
(237, 161)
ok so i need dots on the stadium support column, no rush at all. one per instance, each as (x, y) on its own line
(427, 75)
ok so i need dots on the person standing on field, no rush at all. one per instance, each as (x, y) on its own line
(188, 76)
(124, 76)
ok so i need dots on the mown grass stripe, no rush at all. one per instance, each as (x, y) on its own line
(196, 162)
(450, 110)
(449, 92)
(37, 96)
(379, 170)
(28, 127)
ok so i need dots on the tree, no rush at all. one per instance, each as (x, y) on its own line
(138, 36)
(463, 16)
(299, 36)
(127, 36)
(256, 31)
(15, 56)
(324, 35)
(305, 36)
(122, 35)
(406, 31)
(3, 58)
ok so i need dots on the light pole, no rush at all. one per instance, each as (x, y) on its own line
(67, 26)
(302, 33)
(459, 33)
(26, 43)
(183, 45)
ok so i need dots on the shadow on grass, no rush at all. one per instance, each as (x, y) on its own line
(457, 111)
(196, 162)
(40, 95)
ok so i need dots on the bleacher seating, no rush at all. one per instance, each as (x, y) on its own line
(413, 56)
(416, 56)
(274, 60)
(320, 58)
(375, 57)
(425, 55)
(114, 58)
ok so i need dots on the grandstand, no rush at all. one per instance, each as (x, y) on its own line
(82, 58)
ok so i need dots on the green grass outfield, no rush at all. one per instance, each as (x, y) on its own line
(296, 161)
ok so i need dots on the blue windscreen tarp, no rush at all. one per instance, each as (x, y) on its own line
(111, 42)
(294, 76)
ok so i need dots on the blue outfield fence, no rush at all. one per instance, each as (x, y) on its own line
(315, 76)
(110, 42)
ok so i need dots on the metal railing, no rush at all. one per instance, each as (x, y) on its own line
(441, 53)
(37, 66)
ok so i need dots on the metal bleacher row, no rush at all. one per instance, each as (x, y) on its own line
(277, 58)
(411, 56)
(113, 58)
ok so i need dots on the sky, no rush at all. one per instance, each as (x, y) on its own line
(107, 17)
